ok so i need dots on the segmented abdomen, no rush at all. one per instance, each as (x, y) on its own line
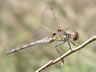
(45, 40)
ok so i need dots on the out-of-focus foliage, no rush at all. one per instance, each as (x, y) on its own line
(24, 21)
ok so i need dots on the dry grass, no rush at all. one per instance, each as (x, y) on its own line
(22, 21)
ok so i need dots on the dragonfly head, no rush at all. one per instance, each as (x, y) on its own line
(74, 36)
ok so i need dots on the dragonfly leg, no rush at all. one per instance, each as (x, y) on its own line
(72, 42)
(57, 46)
(65, 45)
(69, 44)
(59, 51)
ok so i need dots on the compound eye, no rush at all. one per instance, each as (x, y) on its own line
(74, 36)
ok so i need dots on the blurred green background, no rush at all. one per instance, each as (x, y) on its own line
(25, 21)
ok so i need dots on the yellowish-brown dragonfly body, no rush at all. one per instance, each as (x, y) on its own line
(60, 35)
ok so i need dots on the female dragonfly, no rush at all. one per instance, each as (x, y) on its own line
(60, 35)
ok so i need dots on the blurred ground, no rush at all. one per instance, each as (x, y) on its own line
(24, 21)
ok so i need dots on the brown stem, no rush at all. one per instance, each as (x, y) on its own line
(52, 62)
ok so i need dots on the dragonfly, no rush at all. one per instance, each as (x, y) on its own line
(60, 35)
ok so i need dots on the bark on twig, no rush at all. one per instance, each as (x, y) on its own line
(52, 62)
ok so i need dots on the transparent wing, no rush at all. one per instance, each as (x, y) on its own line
(48, 19)
(51, 19)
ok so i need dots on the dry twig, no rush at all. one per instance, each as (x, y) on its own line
(52, 62)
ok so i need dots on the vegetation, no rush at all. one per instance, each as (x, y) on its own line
(25, 21)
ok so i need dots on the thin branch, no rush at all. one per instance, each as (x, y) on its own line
(52, 62)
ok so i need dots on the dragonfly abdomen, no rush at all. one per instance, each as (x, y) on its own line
(45, 40)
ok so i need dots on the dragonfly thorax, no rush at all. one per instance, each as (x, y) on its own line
(60, 35)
